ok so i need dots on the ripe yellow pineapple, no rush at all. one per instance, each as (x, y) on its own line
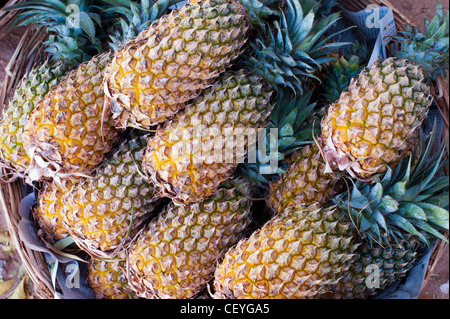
(66, 49)
(100, 212)
(175, 256)
(107, 208)
(51, 210)
(68, 133)
(170, 62)
(322, 251)
(299, 253)
(305, 182)
(190, 156)
(368, 128)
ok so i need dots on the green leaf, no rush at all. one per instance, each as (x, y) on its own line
(359, 203)
(412, 210)
(403, 223)
(387, 205)
(285, 141)
(286, 130)
(398, 191)
(426, 227)
(436, 214)
(375, 194)
(441, 200)
(86, 23)
(380, 219)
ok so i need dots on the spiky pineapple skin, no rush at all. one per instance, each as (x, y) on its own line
(374, 268)
(369, 126)
(299, 253)
(169, 63)
(29, 92)
(304, 183)
(51, 210)
(68, 130)
(190, 156)
(177, 253)
(108, 278)
(106, 209)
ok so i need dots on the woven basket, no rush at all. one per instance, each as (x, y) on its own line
(29, 52)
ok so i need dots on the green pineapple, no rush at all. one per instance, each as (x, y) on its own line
(374, 268)
(337, 76)
(108, 279)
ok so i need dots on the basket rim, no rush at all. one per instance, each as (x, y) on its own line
(38, 271)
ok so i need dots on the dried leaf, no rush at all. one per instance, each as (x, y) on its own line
(6, 286)
(4, 237)
(20, 291)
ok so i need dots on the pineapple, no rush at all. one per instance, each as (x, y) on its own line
(108, 279)
(67, 47)
(305, 182)
(69, 132)
(320, 251)
(191, 155)
(368, 127)
(172, 61)
(299, 177)
(100, 212)
(105, 210)
(186, 159)
(299, 253)
(397, 215)
(175, 256)
(51, 210)
(386, 264)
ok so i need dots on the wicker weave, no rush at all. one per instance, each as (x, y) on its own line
(28, 53)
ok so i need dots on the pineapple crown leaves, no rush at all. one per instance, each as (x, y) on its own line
(325, 7)
(430, 48)
(257, 10)
(295, 47)
(130, 18)
(410, 200)
(72, 24)
(337, 76)
(289, 118)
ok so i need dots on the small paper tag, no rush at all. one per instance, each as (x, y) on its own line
(387, 30)
(376, 24)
